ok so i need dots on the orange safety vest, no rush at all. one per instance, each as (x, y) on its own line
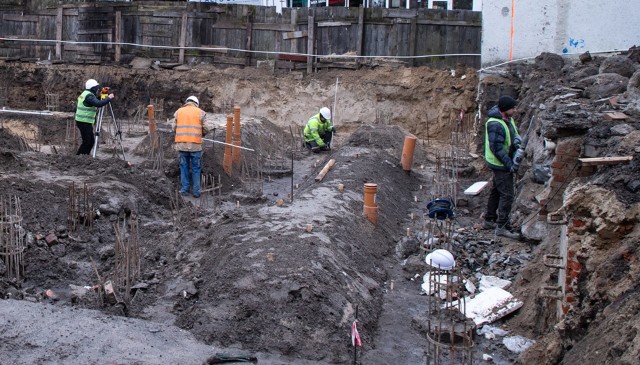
(188, 125)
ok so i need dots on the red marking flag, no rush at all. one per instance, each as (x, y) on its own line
(355, 336)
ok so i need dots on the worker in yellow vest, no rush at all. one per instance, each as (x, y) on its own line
(86, 111)
(501, 140)
(319, 131)
(189, 130)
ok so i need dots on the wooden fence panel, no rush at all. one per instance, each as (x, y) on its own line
(18, 26)
(336, 30)
(161, 30)
(458, 33)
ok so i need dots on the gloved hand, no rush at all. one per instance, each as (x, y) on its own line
(333, 129)
(517, 142)
(514, 168)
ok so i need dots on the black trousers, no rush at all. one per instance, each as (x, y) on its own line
(500, 198)
(326, 138)
(86, 132)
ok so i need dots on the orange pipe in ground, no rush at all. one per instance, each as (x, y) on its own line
(407, 152)
(153, 128)
(152, 122)
(370, 208)
(227, 162)
(236, 135)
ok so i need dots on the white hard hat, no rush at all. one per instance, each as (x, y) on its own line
(441, 259)
(90, 83)
(325, 112)
(193, 99)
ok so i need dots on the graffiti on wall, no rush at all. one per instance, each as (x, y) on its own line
(574, 45)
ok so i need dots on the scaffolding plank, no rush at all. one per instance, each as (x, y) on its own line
(596, 161)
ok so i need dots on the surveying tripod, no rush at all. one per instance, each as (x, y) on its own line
(114, 124)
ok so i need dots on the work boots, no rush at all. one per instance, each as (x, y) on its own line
(504, 232)
(492, 225)
(488, 225)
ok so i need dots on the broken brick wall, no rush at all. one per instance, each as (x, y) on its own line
(600, 254)
(564, 167)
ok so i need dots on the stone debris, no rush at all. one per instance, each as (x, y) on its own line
(517, 344)
(51, 239)
(78, 292)
(487, 282)
(490, 332)
(490, 305)
(49, 294)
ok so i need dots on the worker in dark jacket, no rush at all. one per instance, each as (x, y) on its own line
(500, 142)
(86, 110)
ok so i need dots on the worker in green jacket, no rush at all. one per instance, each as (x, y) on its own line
(319, 131)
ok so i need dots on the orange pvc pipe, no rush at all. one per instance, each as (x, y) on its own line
(407, 152)
(236, 135)
(227, 162)
(370, 208)
(152, 122)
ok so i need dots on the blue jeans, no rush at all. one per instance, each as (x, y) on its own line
(190, 161)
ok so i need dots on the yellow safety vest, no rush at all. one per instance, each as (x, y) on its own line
(85, 114)
(488, 154)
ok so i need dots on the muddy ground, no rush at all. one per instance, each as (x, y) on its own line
(241, 273)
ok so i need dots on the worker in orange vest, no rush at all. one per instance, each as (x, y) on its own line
(188, 142)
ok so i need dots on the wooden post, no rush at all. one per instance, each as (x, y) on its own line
(310, 43)
(152, 121)
(294, 22)
(412, 39)
(38, 48)
(59, 33)
(325, 169)
(360, 39)
(183, 36)
(247, 60)
(118, 35)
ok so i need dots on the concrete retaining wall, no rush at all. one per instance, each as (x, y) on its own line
(557, 26)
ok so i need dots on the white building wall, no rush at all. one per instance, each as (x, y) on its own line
(557, 26)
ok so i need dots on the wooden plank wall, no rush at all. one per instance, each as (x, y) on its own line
(335, 31)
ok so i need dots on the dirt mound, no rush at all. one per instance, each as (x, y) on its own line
(265, 283)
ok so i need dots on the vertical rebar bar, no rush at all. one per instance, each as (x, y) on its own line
(80, 209)
(12, 243)
(127, 256)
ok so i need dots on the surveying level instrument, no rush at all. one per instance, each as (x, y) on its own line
(115, 125)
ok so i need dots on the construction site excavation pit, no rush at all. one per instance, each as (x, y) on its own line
(286, 251)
